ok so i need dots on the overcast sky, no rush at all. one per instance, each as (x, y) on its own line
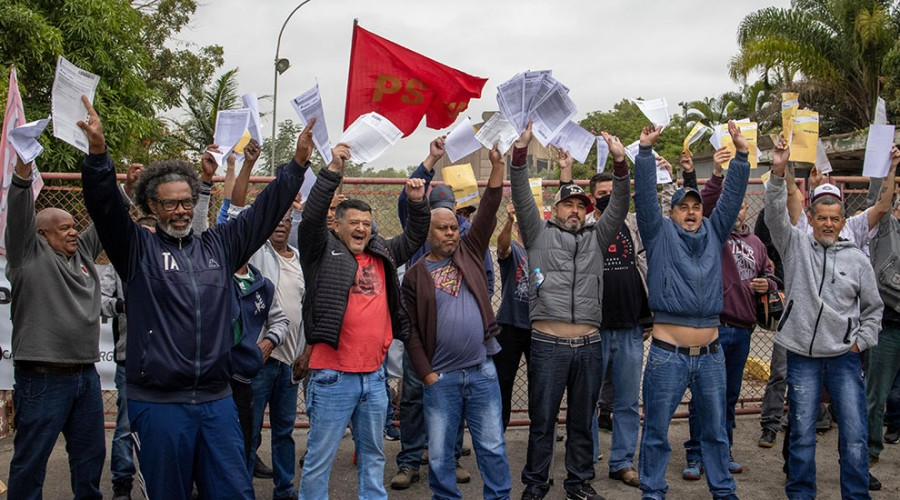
(602, 50)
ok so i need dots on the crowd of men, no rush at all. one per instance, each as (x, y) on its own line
(215, 324)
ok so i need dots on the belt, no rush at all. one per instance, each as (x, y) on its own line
(711, 348)
(569, 341)
(61, 369)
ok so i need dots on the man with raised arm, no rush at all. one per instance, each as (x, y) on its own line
(179, 289)
(351, 313)
(684, 278)
(565, 261)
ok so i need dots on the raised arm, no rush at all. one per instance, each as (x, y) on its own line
(314, 226)
(485, 220)
(646, 198)
(504, 239)
(776, 214)
(735, 186)
(530, 221)
(21, 230)
(110, 303)
(201, 209)
(404, 245)
(712, 190)
(612, 218)
(425, 171)
(886, 194)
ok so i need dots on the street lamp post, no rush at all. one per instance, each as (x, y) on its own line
(281, 65)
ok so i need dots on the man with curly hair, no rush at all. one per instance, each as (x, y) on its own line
(179, 287)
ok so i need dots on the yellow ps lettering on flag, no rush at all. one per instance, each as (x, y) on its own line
(461, 179)
(412, 90)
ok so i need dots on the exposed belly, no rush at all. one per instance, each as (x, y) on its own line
(563, 329)
(685, 336)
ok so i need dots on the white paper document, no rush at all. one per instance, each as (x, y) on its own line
(823, 164)
(230, 127)
(551, 114)
(24, 139)
(498, 131)
(461, 141)
(309, 179)
(251, 102)
(880, 112)
(662, 175)
(69, 84)
(878, 151)
(576, 140)
(308, 105)
(656, 110)
(370, 136)
(531, 85)
(716, 138)
(602, 154)
(511, 98)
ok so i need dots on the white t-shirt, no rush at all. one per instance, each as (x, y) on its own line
(290, 293)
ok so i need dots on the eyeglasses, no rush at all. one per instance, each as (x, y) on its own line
(171, 205)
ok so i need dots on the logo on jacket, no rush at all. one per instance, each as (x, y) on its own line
(260, 304)
(213, 264)
(84, 270)
(169, 263)
(336, 253)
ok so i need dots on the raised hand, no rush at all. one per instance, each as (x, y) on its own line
(339, 155)
(815, 178)
(664, 163)
(780, 156)
(895, 156)
(251, 152)
(297, 204)
(131, 178)
(208, 163)
(616, 149)
(415, 189)
(305, 145)
(649, 135)
(93, 128)
(495, 155)
(740, 142)
(720, 158)
(436, 148)
(686, 163)
(525, 139)
(565, 160)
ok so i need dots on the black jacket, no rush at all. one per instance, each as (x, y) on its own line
(330, 268)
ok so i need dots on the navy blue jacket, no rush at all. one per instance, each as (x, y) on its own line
(180, 289)
(251, 308)
(684, 270)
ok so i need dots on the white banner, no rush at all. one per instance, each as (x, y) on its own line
(106, 367)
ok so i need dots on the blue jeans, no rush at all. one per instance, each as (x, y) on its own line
(474, 394)
(181, 443)
(623, 352)
(45, 406)
(666, 376)
(735, 344)
(273, 385)
(843, 378)
(334, 399)
(121, 460)
(882, 368)
(413, 434)
(558, 367)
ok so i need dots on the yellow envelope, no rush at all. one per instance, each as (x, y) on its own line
(806, 136)
(245, 139)
(695, 134)
(790, 103)
(461, 179)
(749, 130)
(537, 190)
(765, 177)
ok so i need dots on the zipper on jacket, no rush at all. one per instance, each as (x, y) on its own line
(784, 315)
(821, 303)
(849, 327)
(197, 323)
(574, 276)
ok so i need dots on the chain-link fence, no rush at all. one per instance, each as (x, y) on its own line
(64, 191)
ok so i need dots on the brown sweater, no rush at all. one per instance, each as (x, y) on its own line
(418, 286)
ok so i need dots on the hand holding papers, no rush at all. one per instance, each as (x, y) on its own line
(662, 175)
(498, 131)
(538, 97)
(461, 141)
(575, 140)
(878, 151)
(66, 106)
(656, 110)
(308, 105)
(370, 136)
(24, 140)
(230, 127)
(602, 154)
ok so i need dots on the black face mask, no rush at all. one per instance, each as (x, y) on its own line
(601, 203)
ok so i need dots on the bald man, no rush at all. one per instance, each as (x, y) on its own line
(55, 343)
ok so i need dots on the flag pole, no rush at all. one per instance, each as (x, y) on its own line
(349, 73)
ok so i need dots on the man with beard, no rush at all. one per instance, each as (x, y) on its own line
(565, 260)
(833, 313)
(452, 339)
(179, 287)
(684, 278)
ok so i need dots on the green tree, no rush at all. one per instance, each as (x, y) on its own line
(837, 47)
(285, 145)
(203, 104)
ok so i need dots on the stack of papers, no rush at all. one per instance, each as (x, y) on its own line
(656, 110)
(24, 140)
(537, 97)
(369, 137)
(308, 105)
(70, 83)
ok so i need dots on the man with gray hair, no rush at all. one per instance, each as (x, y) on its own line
(833, 313)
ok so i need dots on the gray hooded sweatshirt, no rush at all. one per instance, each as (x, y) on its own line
(832, 299)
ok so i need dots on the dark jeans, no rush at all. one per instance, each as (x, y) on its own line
(557, 366)
(892, 413)
(45, 406)
(413, 434)
(243, 398)
(121, 456)
(514, 343)
(773, 399)
(882, 367)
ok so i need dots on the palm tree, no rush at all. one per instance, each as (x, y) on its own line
(710, 110)
(203, 104)
(836, 47)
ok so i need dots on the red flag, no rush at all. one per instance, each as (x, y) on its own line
(402, 85)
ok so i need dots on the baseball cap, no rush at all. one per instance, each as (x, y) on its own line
(441, 197)
(682, 193)
(826, 190)
(567, 191)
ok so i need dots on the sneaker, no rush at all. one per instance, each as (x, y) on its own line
(627, 475)
(531, 495)
(892, 436)
(462, 475)
(604, 421)
(391, 433)
(874, 483)
(404, 477)
(734, 467)
(693, 471)
(585, 492)
(766, 439)
(122, 490)
(261, 470)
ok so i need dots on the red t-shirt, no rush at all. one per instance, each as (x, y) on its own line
(366, 331)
